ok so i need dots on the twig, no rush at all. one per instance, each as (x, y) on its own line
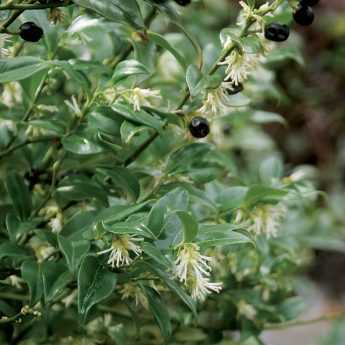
(26, 7)
(127, 51)
(24, 143)
(297, 323)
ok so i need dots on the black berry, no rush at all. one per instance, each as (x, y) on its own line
(309, 2)
(277, 32)
(183, 2)
(304, 15)
(235, 88)
(199, 127)
(30, 32)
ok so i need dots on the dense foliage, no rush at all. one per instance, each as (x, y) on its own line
(142, 201)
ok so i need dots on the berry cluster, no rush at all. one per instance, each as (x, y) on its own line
(180, 2)
(303, 15)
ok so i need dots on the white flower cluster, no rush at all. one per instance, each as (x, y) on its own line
(121, 248)
(239, 63)
(218, 100)
(264, 219)
(193, 270)
(3, 51)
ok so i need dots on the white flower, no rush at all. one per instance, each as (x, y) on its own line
(142, 97)
(9, 125)
(69, 299)
(201, 287)
(12, 94)
(120, 250)
(246, 310)
(218, 100)
(266, 219)
(15, 281)
(3, 51)
(132, 290)
(251, 13)
(56, 223)
(74, 106)
(193, 269)
(239, 66)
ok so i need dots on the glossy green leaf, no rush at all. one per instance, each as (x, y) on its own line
(32, 275)
(19, 194)
(20, 68)
(95, 284)
(162, 42)
(73, 251)
(129, 68)
(159, 311)
(190, 226)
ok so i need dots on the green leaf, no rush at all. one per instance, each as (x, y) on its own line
(174, 287)
(19, 194)
(31, 273)
(162, 42)
(271, 169)
(117, 213)
(194, 79)
(115, 10)
(262, 193)
(128, 228)
(155, 254)
(80, 145)
(291, 308)
(9, 249)
(221, 235)
(157, 216)
(286, 53)
(80, 190)
(20, 68)
(124, 179)
(140, 117)
(159, 311)
(55, 278)
(232, 197)
(73, 251)
(263, 117)
(181, 160)
(129, 68)
(95, 284)
(190, 226)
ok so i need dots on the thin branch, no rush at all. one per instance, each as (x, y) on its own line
(14, 15)
(26, 7)
(297, 323)
(24, 143)
(127, 50)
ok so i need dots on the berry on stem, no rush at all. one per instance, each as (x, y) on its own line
(199, 127)
(309, 2)
(277, 32)
(304, 15)
(183, 2)
(30, 32)
(235, 88)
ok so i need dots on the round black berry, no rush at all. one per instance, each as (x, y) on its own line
(199, 127)
(277, 32)
(235, 88)
(183, 2)
(309, 2)
(30, 32)
(304, 15)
